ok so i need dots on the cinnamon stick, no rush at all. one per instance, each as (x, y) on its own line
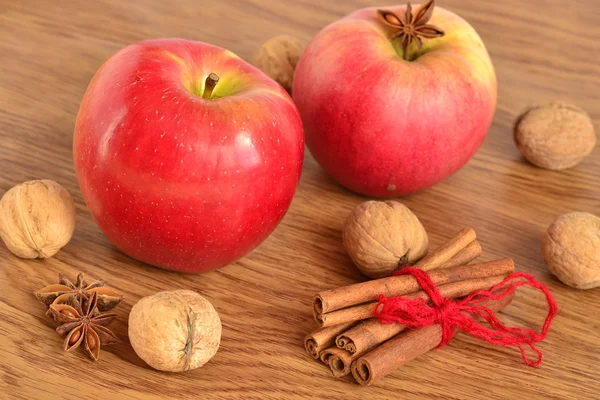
(336, 299)
(323, 338)
(338, 361)
(449, 290)
(367, 335)
(465, 256)
(447, 250)
(405, 347)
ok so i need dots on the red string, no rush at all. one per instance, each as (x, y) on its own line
(451, 314)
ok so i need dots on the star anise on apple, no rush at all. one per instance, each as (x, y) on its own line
(107, 297)
(412, 27)
(82, 323)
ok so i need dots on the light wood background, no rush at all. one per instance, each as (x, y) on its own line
(543, 50)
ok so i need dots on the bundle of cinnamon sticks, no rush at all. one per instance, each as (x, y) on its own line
(351, 341)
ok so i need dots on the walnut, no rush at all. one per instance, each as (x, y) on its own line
(174, 331)
(571, 249)
(37, 218)
(278, 57)
(380, 236)
(555, 136)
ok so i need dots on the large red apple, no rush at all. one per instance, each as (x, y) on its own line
(181, 171)
(382, 125)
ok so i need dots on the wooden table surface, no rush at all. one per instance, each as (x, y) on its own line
(543, 50)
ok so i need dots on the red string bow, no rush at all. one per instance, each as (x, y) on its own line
(451, 314)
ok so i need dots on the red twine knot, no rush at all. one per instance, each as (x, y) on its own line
(457, 314)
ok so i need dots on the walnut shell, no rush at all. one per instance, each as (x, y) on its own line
(555, 136)
(174, 331)
(37, 218)
(380, 236)
(278, 57)
(571, 249)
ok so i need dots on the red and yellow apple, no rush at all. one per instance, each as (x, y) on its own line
(180, 168)
(384, 126)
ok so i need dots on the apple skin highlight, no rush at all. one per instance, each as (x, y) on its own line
(382, 126)
(176, 180)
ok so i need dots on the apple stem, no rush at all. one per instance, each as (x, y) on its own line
(209, 85)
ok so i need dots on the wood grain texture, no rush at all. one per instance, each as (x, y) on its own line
(543, 50)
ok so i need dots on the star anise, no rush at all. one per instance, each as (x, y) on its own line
(107, 297)
(82, 324)
(413, 27)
